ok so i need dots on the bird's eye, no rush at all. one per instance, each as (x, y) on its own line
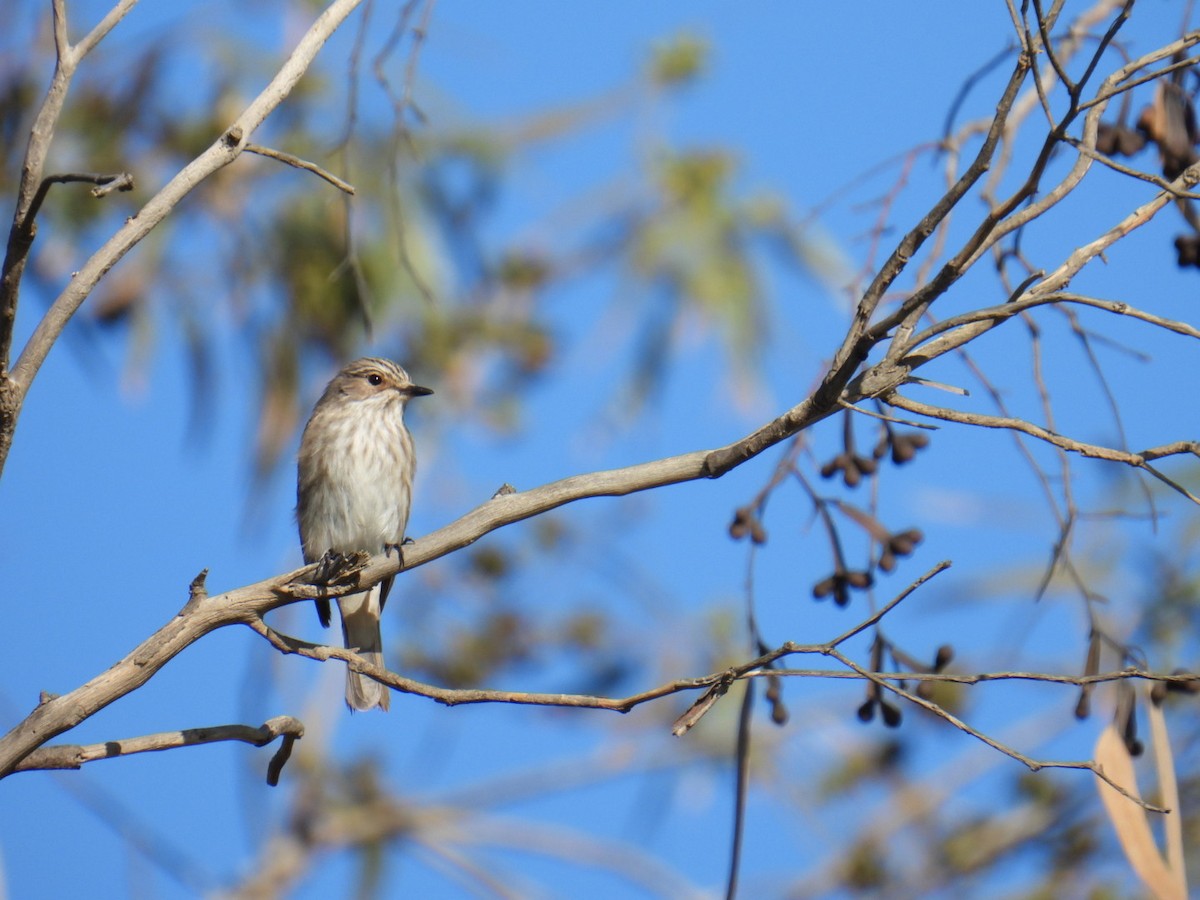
(375, 378)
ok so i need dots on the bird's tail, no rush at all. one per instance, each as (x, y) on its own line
(360, 630)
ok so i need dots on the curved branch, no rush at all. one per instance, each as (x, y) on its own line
(246, 605)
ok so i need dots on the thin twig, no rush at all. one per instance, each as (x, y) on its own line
(911, 423)
(106, 184)
(890, 605)
(1092, 451)
(741, 788)
(1033, 765)
(299, 163)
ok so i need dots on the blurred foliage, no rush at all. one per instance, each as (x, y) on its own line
(679, 61)
(404, 263)
(413, 265)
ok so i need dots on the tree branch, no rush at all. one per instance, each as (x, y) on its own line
(73, 756)
(1092, 451)
(24, 229)
(15, 385)
(298, 163)
(247, 605)
(1033, 765)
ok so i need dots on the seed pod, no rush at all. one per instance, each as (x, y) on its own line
(1183, 687)
(850, 474)
(866, 712)
(891, 714)
(859, 579)
(774, 695)
(1083, 707)
(739, 527)
(1158, 693)
(942, 658)
(758, 534)
(824, 587)
(834, 466)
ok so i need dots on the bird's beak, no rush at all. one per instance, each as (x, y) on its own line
(415, 390)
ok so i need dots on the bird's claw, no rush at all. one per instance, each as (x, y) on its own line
(336, 567)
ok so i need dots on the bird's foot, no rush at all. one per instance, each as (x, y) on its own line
(336, 567)
(388, 549)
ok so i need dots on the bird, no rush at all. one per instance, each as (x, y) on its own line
(354, 481)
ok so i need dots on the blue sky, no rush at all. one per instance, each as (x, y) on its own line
(107, 509)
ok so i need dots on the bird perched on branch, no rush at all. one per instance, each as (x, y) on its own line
(353, 492)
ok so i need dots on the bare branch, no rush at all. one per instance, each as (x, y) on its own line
(73, 756)
(967, 327)
(223, 151)
(299, 163)
(103, 27)
(1148, 177)
(105, 184)
(860, 337)
(1033, 765)
(1092, 451)
(62, 44)
(23, 230)
(890, 605)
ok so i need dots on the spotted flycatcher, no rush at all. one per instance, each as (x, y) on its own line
(353, 492)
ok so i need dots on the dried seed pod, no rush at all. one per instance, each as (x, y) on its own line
(824, 587)
(1129, 141)
(852, 467)
(866, 712)
(903, 543)
(834, 466)
(746, 522)
(1126, 719)
(892, 716)
(906, 445)
(943, 657)
(1091, 665)
(779, 713)
(1187, 251)
(841, 593)
(859, 579)
(839, 584)
(740, 525)
(1183, 687)
(1083, 707)
(851, 476)
(774, 696)
(1107, 140)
